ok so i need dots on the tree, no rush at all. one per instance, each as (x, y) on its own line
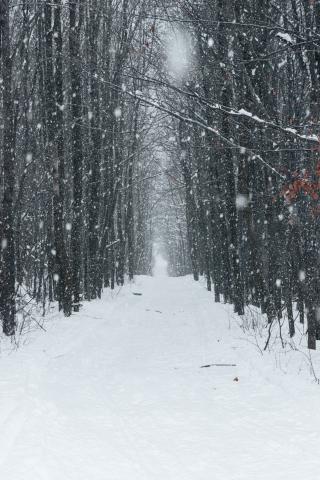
(7, 279)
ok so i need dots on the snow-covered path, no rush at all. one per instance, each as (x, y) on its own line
(117, 393)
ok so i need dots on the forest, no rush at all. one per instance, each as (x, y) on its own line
(159, 239)
(110, 139)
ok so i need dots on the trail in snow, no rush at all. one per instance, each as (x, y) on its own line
(117, 393)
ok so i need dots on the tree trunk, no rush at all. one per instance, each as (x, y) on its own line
(7, 279)
(75, 18)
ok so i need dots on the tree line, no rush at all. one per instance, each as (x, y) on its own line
(246, 119)
(72, 151)
(89, 109)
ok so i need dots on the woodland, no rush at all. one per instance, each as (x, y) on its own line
(191, 123)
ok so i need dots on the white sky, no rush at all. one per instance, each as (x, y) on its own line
(178, 51)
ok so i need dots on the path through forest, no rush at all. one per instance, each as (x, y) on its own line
(117, 393)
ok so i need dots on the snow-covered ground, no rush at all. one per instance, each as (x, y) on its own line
(117, 393)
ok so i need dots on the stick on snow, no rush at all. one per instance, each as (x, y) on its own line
(219, 365)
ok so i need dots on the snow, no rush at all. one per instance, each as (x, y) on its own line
(286, 37)
(242, 111)
(242, 201)
(160, 268)
(117, 112)
(117, 392)
(302, 276)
